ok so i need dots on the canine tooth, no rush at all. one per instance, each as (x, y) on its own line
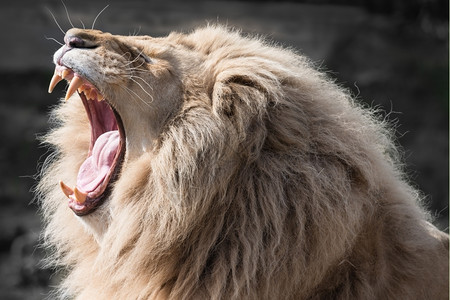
(80, 196)
(66, 190)
(53, 82)
(74, 85)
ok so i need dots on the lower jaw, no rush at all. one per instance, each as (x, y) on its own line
(89, 206)
(95, 199)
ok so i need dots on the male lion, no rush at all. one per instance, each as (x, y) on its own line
(216, 166)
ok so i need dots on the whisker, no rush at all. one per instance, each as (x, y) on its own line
(144, 90)
(67, 13)
(146, 83)
(137, 67)
(129, 63)
(93, 23)
(134, 60)
(136, 70)
(55, 40)
(129, 91)
(148, 94)
(126, 53)
(136, 33)
(84, 27)
(56, 21)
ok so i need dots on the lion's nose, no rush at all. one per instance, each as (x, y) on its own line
(79, 38)
(75, 42)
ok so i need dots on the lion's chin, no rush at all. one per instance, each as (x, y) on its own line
(106, 150)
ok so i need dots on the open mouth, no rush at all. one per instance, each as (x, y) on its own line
(106, 150)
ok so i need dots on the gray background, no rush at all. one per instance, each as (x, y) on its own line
(391, 54)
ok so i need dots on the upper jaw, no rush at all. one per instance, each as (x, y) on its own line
(133, 113)
(77, 83)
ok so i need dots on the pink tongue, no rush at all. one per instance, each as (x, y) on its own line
(96, 167)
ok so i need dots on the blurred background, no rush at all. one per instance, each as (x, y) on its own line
(392, 54)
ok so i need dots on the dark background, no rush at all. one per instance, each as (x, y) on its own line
(392, 54)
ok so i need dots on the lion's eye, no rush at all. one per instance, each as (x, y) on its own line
(145, 58)
(137, 53)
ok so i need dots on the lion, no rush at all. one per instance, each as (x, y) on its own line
(217, 165)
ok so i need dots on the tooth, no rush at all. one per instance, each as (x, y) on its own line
(80, 196)
(55, 79)
(74, 85)
(66, 190)
(65, 72)
(85, 90)
(100, 97)
(93, 94)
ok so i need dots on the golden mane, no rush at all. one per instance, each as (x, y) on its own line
(268, 181)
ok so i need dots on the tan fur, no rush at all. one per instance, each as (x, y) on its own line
(248, 175)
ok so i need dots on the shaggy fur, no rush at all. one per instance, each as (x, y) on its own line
(263, 180)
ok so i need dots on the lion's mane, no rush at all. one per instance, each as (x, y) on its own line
(269, 182)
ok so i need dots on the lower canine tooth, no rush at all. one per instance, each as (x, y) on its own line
(66, 190)
(80, 196)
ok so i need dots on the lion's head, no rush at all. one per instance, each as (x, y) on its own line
(211, 165)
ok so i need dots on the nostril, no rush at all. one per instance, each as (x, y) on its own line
(75, 42)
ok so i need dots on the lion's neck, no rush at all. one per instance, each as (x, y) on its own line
(139, 138)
